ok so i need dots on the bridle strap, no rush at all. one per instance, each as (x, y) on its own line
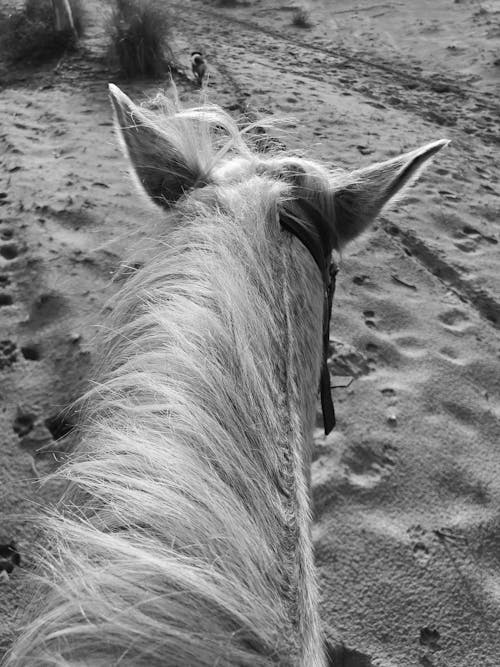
(319, 241)
(327, 406)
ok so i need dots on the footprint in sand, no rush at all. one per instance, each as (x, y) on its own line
(470, 240)
(411, 346)
(418, 543)
(6, 234)
(451, 354)
(31, 352)
(455, 319)
(467, 245)
(9, 558)
(429, 637)
(361, 280)
(372, 350)
(473, 239)
(369, 321)
(339, 654)
(59, 425)
(345, 359)
(23, 423)
(6, 300)
(366, 465)
(46, 309)
(9, 251)
(8, 354)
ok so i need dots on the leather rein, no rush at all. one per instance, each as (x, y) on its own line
(319, 238)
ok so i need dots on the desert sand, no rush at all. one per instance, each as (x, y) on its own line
(407, 487)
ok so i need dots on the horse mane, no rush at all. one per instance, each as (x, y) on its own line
(163, 548)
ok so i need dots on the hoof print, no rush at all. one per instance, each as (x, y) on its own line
(23, 423)
(59, 425)
(429, 637)
(9, 251)
(31, 352)
(9, 558)
(8, 354)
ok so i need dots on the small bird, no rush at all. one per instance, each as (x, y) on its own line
(199, 66)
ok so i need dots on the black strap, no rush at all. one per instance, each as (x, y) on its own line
(327, 406)
(319, 241)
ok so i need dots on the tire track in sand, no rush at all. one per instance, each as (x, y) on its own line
(435, 99)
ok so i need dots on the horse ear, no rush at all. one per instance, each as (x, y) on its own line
(160, 167)
(370, 189)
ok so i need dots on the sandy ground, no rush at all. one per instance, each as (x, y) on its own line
(407, 487)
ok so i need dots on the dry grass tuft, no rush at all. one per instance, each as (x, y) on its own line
(29, 34)
(140, 32)
(301, 19)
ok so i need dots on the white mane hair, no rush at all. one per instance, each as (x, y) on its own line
(183, 537)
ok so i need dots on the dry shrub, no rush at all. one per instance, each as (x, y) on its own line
(301, 18)
(78, 17)
(140, 32)
(29, 34)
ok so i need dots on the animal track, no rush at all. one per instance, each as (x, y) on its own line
(411, 346)
(9, 557)
(473, 239)
(366, 465)
(47, 308)
(372, 349)
(449, 353)
(429, 637)
(31, 352)
(23, 423)
(470, 231)
(458, 481)
(6, 300)
(455, 319)
(369, 315)
(8, 353)
(347, 360)
(467, 245)
(59, 425)
(421, 551)
(9, 251)
(6, 234)
(339, 654)
(360, 280)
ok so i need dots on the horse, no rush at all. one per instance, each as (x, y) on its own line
(183, 536)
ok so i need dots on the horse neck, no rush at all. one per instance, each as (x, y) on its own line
(197, 440)
(277, 329)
